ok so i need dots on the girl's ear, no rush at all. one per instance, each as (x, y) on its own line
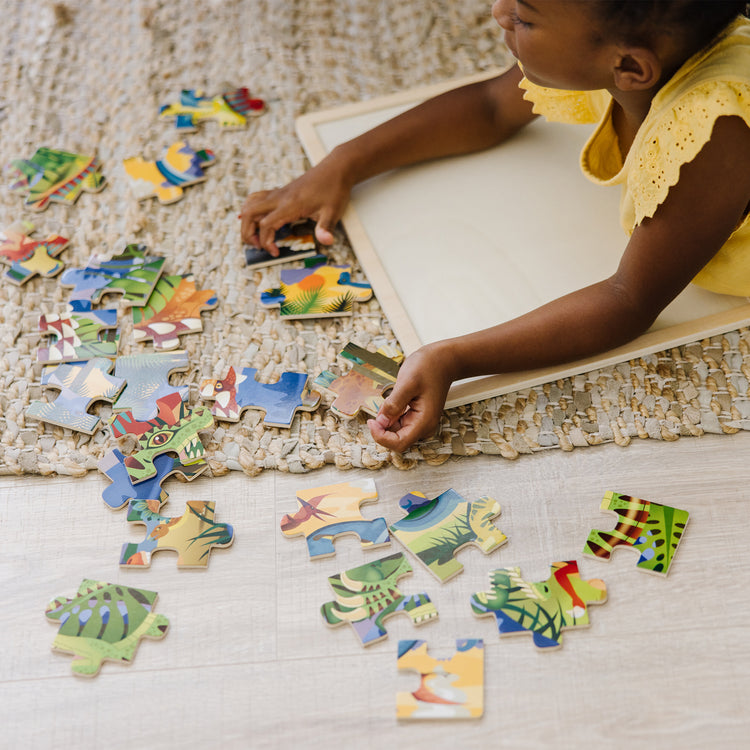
(636, 69)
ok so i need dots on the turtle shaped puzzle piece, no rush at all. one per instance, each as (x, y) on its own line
(230, 109)
(652, 529)
(435, 530)
(543, 609)
(104, 622)
(295, 241)
(327, 512)
(27, 257)
(52, 175)
(79, 336)
(280, 400)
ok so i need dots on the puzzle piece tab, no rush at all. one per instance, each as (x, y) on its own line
(26, 257)
(449, 688)
(367, 595)
(78, 336)
(280, 400)
(295, 242)
(326, 512)
(652, 529)
(230, 109)
(435, 530)
(104, 622)
(543, 609)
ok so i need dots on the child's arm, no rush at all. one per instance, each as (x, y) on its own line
(467, 119)
(663, 255)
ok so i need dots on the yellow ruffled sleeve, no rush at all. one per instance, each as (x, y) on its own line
(560, 105)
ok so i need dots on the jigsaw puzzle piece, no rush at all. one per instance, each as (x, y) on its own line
(104, 622)
(230, 109)
(652, 529)
(78, 336)
(543, 609)
(27, 257)
(435, 530)
(449, 688)
(327, 512)
(295, 242)
(367, 595)
(79, 386)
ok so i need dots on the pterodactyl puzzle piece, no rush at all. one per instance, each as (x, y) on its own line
(327, 512)
(450, 688)
(295, 242)
(543, 609)
(230, 109)
(78, 336)
(653, 530)
(280, 400)
(26, 257)
(79, 386)
(435, 530)
(104, 622)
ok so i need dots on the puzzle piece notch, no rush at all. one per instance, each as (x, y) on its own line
(332, 510)
(78, 336)
(450, 688)
(295, 241)
(27, 257)
(229, 109)
(104, 622)
(280, 400)
(543, 609)
(652, 529)
(368, 594)
(435, 530)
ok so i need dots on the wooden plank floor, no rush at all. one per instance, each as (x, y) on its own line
(248, 661)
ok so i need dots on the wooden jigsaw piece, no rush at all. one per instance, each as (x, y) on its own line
(435, 530)
(104, 622)
(26, 257)
(327, 512)
(367, 595)
(450, 688)
(280, 400)
(653, 530)
(230, 109)
(543, 609)
(295, 241)
(79, 386)
(78, 336)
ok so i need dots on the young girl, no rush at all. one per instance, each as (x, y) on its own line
(668, 82)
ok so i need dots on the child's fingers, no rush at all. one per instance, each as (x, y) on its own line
(323, 228)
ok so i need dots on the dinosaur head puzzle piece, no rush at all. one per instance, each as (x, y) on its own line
(104, 622)
(192, 535)
(79, 336)
(449, 688)
(165, 178)
(174, 429)
(230, 109)
(435, 530)
(327, 512)
(26, 257)
(280, 400)
(52, 175)
(173, 309)
(295, 242)
(364, 387)
(367, 595)
(79, 386)
(543, 609)
(653, 530)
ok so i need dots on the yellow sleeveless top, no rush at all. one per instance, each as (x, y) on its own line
(712, 83)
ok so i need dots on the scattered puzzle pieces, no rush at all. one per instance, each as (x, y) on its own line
(652, 529)
(78, 336)
(280, 400)
(165, 178)
(104, 622)
(230, 109)
(295, 242)
(326, 512)
(52, 175)
(435, 530)
(449, 688)
(543, 609)
(79, 386)
(367, 595)
(26, 257)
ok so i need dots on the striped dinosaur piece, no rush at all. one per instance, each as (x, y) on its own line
(230, 110)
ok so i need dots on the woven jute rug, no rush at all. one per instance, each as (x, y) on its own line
(90, 75)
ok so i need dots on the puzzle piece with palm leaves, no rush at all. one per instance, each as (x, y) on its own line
(295, 241)
(435, 530)
(230, 109)
(450, 688)
(79, 386)
(653, 530)
(192, 535)
(104, 622)
(27, 257)
(179, 167)
(79, 336)
(364, 386)
(316, 291)
(280, 400)
(327, 512)
(543, 609)
(368, 594)
(173, 309)
(52, 175)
